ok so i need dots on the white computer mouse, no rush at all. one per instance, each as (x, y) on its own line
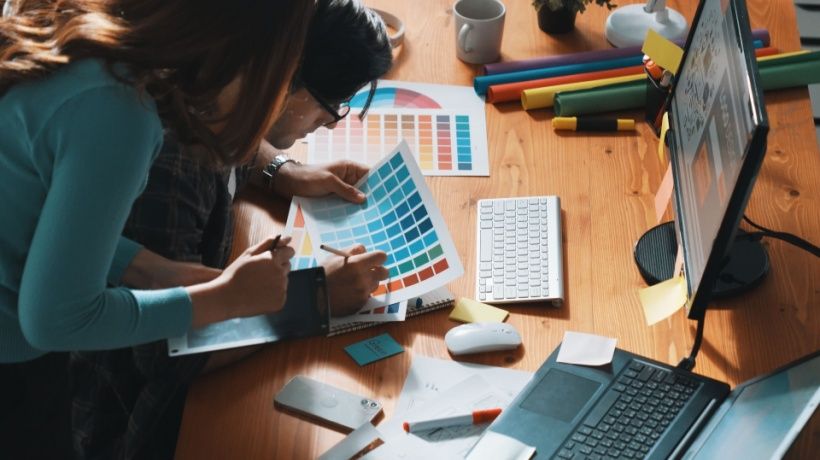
(478, 337)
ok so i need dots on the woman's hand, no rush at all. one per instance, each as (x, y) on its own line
(255, 283)
(350, 280)
(320, 180)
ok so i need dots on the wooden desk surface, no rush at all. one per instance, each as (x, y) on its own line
(606, 184)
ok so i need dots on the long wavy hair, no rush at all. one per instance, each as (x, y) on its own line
(181, 52)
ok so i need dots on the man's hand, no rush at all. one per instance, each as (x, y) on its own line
(320, 180)
(149, 270)
(350, 280)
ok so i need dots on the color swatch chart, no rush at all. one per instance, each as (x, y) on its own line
(444, 126)
(400, 218)
(304, 258)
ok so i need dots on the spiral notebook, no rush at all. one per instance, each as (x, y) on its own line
(433, 300)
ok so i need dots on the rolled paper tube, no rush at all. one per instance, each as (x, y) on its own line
(538, 98)
(611, 98)
(789, 75)
(587, 56)
(481, 83)
(776, 72)
(512, 91)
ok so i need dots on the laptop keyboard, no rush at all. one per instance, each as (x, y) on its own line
(519, 250)
(631, 416)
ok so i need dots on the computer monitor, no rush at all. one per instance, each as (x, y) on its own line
(717, 141)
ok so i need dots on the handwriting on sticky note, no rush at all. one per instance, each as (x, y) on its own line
(373, 349)
(473, 311)
(664, 52)
(664, 194)
(663, 299)
(586, 349)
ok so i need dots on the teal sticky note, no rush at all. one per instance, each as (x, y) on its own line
(373, 349)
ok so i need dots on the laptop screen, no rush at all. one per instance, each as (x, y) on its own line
(765, 413)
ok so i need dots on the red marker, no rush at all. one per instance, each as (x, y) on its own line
(473, 418)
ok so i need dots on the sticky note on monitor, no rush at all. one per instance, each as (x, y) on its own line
(664, 52)
(473, 311)
(663, 299)
(373, 349)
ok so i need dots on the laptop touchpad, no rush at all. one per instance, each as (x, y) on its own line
(560, 395)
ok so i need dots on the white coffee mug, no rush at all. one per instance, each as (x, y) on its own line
(479, 27)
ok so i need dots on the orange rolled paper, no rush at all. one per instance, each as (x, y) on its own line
(512, 91)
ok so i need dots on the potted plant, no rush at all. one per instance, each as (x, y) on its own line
(558, 16)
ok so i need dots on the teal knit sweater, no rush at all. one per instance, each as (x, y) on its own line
(75, 150)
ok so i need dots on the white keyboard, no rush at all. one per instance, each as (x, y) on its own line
(519, 250)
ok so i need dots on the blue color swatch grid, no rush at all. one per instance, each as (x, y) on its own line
(399, 218)
(304, 258)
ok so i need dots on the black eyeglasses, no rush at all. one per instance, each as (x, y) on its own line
(342, 109)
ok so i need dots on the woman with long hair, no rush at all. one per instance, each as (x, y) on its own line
(86, 89)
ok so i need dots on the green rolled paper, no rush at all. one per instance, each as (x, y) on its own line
(622, 96)
(788, 72)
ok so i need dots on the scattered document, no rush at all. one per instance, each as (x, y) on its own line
(663, 299)
(361, 440)
(450, 442)
(473, 311)
(496, 446)
(429, 377)
(586, 349)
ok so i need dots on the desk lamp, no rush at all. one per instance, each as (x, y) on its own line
(627, 25)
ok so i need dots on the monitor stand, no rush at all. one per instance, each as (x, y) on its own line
(745, 266)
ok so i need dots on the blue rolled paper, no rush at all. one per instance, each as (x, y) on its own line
(481, 83)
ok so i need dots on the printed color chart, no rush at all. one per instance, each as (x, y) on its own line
(443, 125)
(400, 218)
(304, 258)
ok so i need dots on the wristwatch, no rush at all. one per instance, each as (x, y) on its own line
(270, 170)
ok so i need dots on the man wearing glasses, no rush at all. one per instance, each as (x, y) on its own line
(129, 402)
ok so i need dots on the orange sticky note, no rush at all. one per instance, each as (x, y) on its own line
(664, 52)
(664, 194)
(663, 299)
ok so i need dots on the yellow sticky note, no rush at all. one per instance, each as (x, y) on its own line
(662, 140)
(664, 52)
(663, 299)
(472, 311)
(664, 194)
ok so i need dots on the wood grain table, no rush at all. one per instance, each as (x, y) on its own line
(606, 183)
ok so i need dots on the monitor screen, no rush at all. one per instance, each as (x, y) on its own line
(715, 114)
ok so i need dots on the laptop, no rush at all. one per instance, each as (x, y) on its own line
(640, 408)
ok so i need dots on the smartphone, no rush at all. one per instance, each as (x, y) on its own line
(340, 408)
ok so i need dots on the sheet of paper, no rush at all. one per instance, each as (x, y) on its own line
(429, 377)
(304, 258)
(586, 349)
(496, 446)
(664, 194)
(444, 126)
(664, 52)
(473, 311)
(373, 349)
(353, 444)
(663, 299)
(451, 442)
(399, 217)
